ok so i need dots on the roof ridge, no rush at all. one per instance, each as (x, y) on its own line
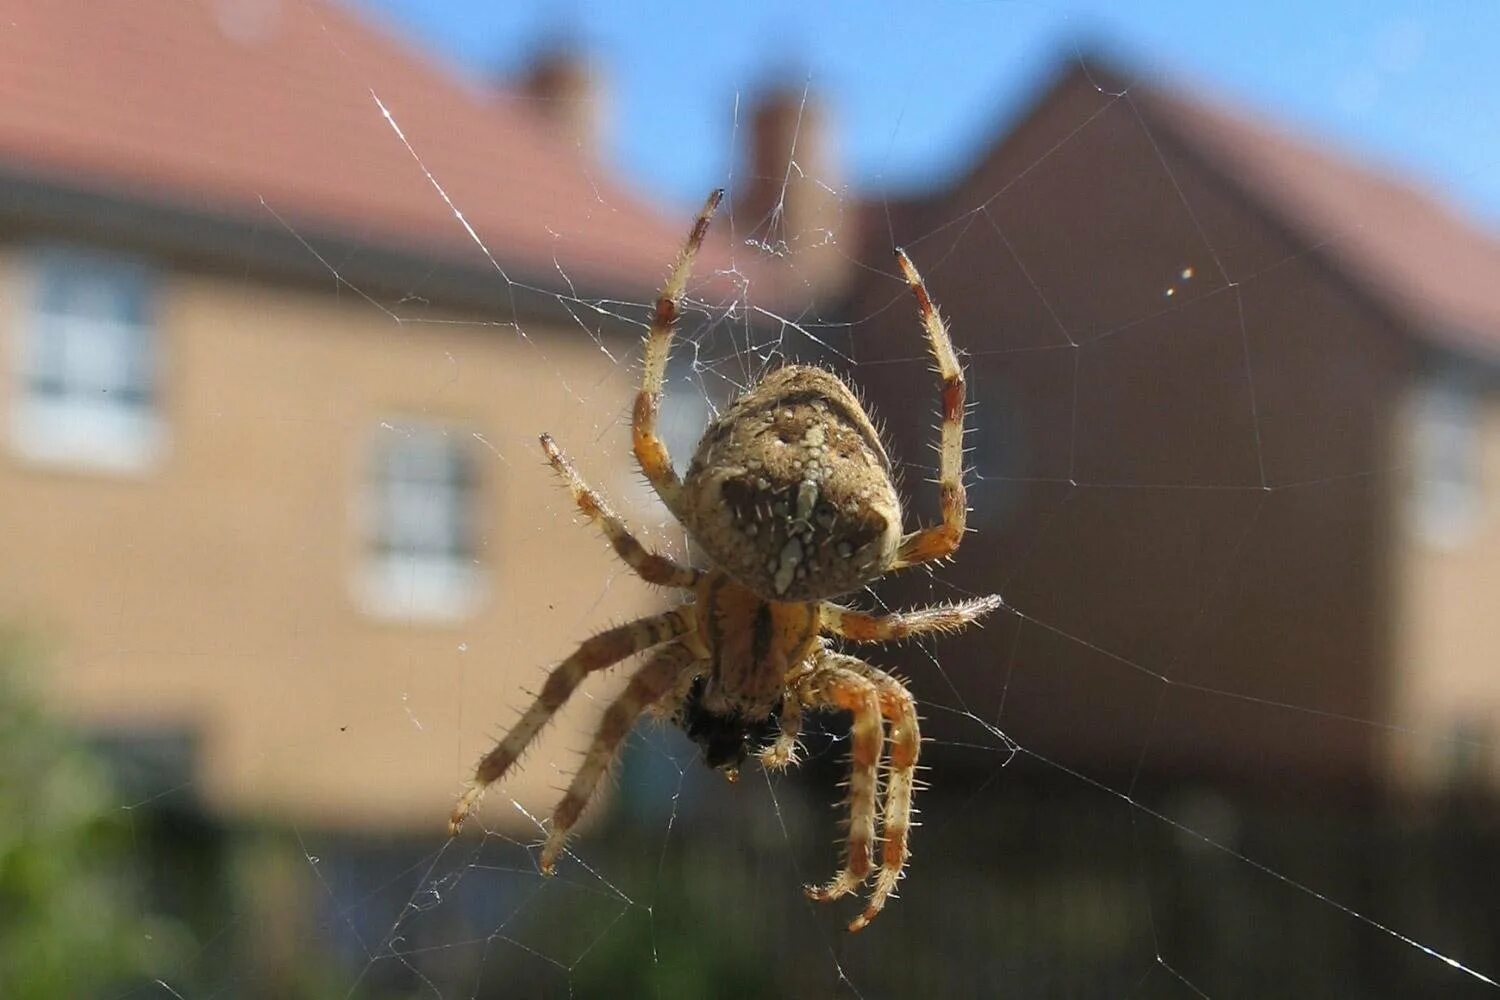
(201, 107)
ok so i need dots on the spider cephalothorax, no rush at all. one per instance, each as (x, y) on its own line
(791, 498)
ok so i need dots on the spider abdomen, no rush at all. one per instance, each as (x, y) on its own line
(790, 489)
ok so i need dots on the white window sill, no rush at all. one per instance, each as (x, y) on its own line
(85, 436)
(409, 588)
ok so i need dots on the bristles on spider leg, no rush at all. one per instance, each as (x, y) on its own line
(595, 653)
(652, 567)
(650, 450)
(649, 683)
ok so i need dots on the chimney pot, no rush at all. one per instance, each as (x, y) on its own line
(565, 91)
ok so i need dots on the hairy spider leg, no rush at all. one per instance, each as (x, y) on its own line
(649, 566)
(657, 678)
(941, 540)
(782, 754)
(858, 626)
(835, 686)
(595, 653)
(898, 708)
(651, 450)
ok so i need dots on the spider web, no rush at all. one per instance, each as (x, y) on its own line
(1042, 866)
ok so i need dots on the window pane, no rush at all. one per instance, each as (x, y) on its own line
(1446, 462)
(424, 494)
(87, 362)
(421, 495)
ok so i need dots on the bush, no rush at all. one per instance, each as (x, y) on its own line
(72, 920)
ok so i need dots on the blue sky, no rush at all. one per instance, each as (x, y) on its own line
(917, 88)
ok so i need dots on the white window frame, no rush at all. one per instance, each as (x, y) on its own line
(85, 363)
(419, 526)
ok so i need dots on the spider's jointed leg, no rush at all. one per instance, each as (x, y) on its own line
(657, 679)
(651, 450)
(898, 708)
(782, 754)
(650, 566)
(858, 626)
(600, 651)
(940, 541)
(831, 686)
(791, 499)
(844, 682)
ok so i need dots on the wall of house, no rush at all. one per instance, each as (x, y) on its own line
(213, 593)
(1447, 698)
(1178, 436)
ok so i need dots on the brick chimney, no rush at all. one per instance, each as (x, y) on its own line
(564, 89)
(793, 198)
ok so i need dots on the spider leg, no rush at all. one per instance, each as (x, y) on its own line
(782, 754)
(650, 566)
(858, 626)
(647, 686)
(897, 707)
(941, 540)
(595, 653)
(651, 450)
(835, 686)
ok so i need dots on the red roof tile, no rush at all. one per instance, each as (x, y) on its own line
(1405, 247)
(218, 105)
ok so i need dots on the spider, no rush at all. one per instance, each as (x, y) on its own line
(790, 496)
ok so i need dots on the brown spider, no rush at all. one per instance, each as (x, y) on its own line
(791, 497)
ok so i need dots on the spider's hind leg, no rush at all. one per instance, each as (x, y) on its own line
(833, 685)
(596, 653)
(899, 709)
(658, 678)
(873, 695)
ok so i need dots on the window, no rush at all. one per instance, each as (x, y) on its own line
(85, 392)
(1467, 750)
(421, 558)
(1446, 461)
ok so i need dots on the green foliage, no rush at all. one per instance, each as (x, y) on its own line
(72, 923)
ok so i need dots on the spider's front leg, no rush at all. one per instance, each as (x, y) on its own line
(650, 566)
(650, 449)
(657, 679)
(940, 541)
(841, 681)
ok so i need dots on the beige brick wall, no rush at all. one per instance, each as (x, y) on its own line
(214, 592)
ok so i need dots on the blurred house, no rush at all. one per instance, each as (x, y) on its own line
(268, 486)
(269, 406)
(269, 477)
(1238, 437)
